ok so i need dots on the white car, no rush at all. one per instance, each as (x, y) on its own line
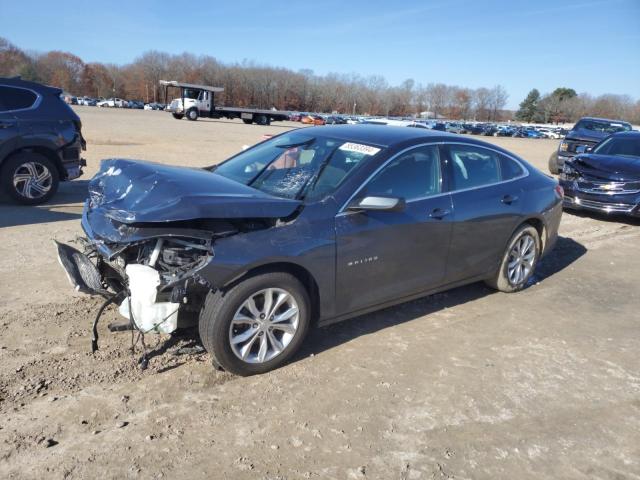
(548, 133)
(112, 102)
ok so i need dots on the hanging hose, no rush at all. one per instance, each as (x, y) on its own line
(94, 337)
(144, 359)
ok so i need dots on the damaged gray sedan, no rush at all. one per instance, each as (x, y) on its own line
(310, 227)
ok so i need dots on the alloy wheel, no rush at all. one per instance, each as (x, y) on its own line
(264, 325)
(521, 259)
(32, 180)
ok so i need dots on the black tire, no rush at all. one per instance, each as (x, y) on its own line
(178, 116)
(500, 281)
(192, 114)
(22, 162)
(247, 121)
(553, 163)
(262, 120)
(220, 307)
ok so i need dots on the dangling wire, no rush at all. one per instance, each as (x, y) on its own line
(94, 332)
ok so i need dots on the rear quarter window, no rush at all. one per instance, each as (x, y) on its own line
(510, 168)
(13, 98)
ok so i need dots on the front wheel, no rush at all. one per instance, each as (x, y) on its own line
(519, 261)
(257, 325)
(192, 114)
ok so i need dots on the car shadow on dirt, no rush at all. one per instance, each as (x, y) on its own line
(604, 217)
(564, 254)
(65, 205)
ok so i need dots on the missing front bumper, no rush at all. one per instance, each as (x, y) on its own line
(140, 304)
(81, 272)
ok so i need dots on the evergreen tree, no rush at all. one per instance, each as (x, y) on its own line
(529, 106)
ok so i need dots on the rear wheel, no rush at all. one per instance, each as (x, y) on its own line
(519, 261)
(29, 178)
(257, 325)
(247, 121)
(178, 116)
(262, 120)
(553, 163)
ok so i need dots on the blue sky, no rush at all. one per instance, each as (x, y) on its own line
(590, 45)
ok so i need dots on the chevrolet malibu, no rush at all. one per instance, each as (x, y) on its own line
(307, 228)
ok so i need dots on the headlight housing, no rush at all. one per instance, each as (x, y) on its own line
(564, 146)
(568, 172)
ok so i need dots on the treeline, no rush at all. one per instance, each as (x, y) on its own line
(250, 85)
(566, 105)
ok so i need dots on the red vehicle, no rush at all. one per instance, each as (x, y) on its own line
(313, 120)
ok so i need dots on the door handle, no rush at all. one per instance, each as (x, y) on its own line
(439, 213)
(7, 124)
(509, 199)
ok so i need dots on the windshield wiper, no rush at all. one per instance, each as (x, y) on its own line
(290, 145)
(311, 181)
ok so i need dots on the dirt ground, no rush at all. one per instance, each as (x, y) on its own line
(470, 383)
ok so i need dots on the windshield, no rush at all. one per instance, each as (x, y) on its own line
(297, 165)
(628, 146)
(191, 93)
(602, 126)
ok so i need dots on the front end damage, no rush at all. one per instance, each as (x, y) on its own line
(154, 280)
(143, 252)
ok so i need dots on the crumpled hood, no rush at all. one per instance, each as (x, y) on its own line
(134, 191)
(614, 167)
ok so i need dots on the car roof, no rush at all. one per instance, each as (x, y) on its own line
(38, 87)
(604, 120)
(379, 135)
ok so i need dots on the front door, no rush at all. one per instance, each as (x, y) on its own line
(385, 255)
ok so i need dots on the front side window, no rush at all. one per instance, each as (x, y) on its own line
(412, 175)
(297, 165)
(12, 98)
(473, 166)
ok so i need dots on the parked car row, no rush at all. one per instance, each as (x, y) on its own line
(112, 103)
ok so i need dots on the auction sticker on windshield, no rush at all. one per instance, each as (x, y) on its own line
(359, 148)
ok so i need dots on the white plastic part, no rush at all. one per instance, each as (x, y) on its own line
(148, 315)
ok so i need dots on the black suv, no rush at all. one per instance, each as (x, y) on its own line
(40, 141)
(586, 133)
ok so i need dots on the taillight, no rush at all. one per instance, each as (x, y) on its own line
(559, 191)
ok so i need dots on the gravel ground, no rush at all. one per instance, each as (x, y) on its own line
(470, 383)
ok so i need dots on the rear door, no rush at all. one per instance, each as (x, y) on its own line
(486, 198)
(386, 255)
(11, 101)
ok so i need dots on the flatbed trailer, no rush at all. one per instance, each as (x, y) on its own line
(197, 101)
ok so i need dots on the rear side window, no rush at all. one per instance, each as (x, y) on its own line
(509, 168)
(413, 175)
(474, 166)
(12, 98)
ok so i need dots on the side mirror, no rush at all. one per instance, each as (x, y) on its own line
(375, 203)
(583, 149)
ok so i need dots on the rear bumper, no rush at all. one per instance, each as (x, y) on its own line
(71, 158)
